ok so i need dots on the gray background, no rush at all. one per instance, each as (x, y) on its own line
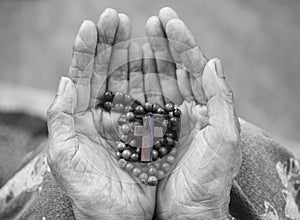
(258, 41)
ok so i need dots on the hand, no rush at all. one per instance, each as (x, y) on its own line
(82, 136)
(209, 156)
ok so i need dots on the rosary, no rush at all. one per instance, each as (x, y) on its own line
(148, 136)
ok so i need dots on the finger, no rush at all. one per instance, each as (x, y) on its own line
(107, 26)
(184, 46)
(136, 78)
(164, 63)
(184, 84)
(60, 121)
(118, 70)
(151, 82)
(223, 123)
(81, 67)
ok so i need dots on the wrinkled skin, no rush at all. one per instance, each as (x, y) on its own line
(209, 155)
(82, 137)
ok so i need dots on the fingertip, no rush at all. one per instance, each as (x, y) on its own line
(123, 32)
(86, 39)
(107, 25)
(166, 14)
(180, 37)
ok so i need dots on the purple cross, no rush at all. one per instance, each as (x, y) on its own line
(148, 132)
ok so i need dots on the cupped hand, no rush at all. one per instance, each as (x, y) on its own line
(82, 135)
(209, 156)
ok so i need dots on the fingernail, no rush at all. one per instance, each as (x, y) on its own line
(219, 68)
(62, 85)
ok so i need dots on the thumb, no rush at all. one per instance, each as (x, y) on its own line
(223, 123)
(62, 139)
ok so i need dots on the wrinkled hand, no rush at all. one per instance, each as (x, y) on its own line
(82, 136)
(209, 156)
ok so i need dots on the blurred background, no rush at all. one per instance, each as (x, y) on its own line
(258, 41)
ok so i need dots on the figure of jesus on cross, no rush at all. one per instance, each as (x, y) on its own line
(148, 132)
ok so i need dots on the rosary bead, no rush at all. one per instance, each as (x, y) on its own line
(169, 134)
(163, 151)
(154, 154)
(124, 137)
(138, 150)
(160, 111)
(143, 177)
(122, 163)
(125, 129)
(118, 97)
(122, 120)
(108, 96)
(134, 157)
(133, 143)
(169, 107)
(174, 121)
(175, 143)
(165, 123)
(148, 107)
(173, 151)
(139, 110)
(177, 113)
(155, 107)
(170, 159)
(163, 142)
(160, 174)
(156, 164)
(130, 116)
(121, 146)
(152, 171)
(135, 103)
(169, 141)
(166, 167)
(129, 167)
(152, 180)
(136, 172)
(128, 108)
(107, 106)
(118, 154)
(119, 107)
(157, 146)
(127, 99)
(126, 154)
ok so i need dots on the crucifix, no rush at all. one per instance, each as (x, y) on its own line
(148, 132)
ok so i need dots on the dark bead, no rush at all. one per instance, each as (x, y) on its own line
(133, 143)
(157, 146)
(127, 99)
(169, 141)
(163, 151)
(122, 163)
(154, 154)
(152, 180)
(160, 111)
(124, 137)
(134, 157)
(139, 110)
(174, 121)
(169, 107)
(121, 146)
(136, 172)
(177, 113)
(138, 150)
(119, 107)
(118, 154)
(126, 154)
(169, 134)
(130, 116)
(125, 128)
(155, 107)
(160, 174)
(163, 142)
(143, 177)
(135, 103)
(175, 143)
(152, 171)
(108, 96)
(128, 109)
(118, 97)
(107, 106)
(122, 120)
(156, 164)
(170, 159)
(166, 167)
(148, 107)
(129, 167)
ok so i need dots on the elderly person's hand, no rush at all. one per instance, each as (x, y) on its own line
(82, 136)
(209, 156)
